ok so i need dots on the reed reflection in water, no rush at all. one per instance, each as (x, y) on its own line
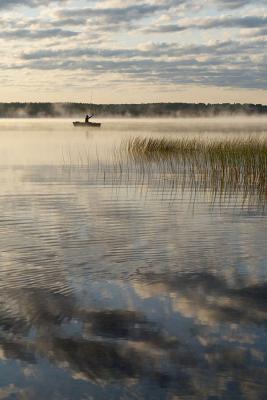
(111, 290)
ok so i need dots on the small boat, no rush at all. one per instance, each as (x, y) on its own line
(87, 124)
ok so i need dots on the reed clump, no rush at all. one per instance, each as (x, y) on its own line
(224, 165)
(243, 150)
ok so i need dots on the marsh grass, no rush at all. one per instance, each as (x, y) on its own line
(227, 167)
(225, 170)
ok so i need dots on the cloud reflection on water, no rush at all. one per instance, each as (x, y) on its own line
(220, 332)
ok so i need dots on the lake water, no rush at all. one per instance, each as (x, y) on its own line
(115, 285)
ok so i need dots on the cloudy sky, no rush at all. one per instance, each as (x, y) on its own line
(133, 50)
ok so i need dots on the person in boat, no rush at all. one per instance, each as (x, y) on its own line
(87, 118)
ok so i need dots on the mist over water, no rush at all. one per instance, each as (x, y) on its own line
(120, 284)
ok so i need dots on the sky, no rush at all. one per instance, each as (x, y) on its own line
(133, 51)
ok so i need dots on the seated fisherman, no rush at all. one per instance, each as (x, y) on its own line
(87, 118)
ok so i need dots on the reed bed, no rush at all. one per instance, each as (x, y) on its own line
(225, 166)
(228, 170)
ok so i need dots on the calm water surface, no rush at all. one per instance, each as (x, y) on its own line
(118, 287)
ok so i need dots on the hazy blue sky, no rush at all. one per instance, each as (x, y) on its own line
(133, 50)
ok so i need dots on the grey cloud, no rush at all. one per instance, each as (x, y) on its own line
(225, 63)
(128, 17)
(210, 23)
(234, 22)
(6, 4)
(255, 32)
(220, 64)
(121, 15)
(41, 54)
(36, 34)
(232, 4)
(170, 28)
(113, 14)
(69, 21)
(212, 72)
(145, 5)
(171, 50)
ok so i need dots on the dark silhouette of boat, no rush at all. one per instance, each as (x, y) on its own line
(87, 124)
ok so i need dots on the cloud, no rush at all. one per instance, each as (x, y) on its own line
(20, 34)
(6, 4)
(221, 64)
(148, 42)
(115, 14)
(210, 23)
(233, 4)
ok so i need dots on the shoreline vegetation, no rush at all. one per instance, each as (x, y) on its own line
(226, 168)
(57, 110)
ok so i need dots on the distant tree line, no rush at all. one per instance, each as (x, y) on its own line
(39, 110)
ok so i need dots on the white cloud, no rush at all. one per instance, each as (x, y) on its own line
(153, 41)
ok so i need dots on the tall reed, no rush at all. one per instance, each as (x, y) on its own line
(225, 166)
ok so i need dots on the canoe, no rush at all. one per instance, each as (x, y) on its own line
(87, 124)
